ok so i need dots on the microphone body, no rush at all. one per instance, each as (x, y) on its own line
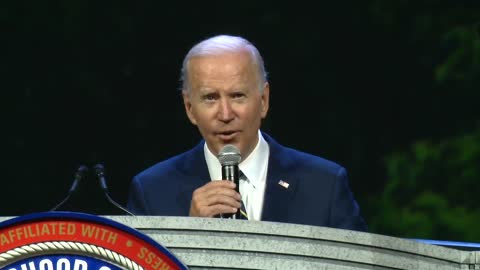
(79, 175)
(229, 158)
(231, 173)
(100, 173)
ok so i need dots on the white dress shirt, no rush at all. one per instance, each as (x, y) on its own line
(254, 167)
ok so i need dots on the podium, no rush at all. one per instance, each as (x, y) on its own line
(208, 243)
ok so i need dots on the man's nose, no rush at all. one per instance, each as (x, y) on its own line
(226, 113)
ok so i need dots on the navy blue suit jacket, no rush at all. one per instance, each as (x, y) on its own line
(318, 192)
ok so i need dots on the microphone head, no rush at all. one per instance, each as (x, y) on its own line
(99, 170)
(229, 155)
(81, 172)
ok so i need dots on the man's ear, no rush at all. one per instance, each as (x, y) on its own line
(265, 100)
(188, 107)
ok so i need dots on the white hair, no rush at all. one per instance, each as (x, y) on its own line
(218, 45)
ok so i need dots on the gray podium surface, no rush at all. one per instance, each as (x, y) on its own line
(206, 243)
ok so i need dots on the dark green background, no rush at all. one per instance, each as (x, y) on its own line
(388, 89)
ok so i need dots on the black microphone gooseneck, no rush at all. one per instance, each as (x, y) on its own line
(229, 158)
(100, 173)
(79, 175)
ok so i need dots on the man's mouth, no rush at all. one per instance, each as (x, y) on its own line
(227, 135)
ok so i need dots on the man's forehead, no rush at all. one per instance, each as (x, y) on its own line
(225, 57)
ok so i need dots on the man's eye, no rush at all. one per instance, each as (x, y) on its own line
(209, 97)
(238, 95)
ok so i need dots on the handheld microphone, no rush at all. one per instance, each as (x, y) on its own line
(229, 158)
(100, 173)
(79, 175)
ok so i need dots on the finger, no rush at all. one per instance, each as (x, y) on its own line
(213, 197)
(221, 191)
(216, 188)
(208, 206)
(211, 210)
(221, 209)
(207, 191)
(222, 200)
(224, 197)
(220, 183)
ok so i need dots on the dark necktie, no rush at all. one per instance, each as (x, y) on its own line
(243, 211)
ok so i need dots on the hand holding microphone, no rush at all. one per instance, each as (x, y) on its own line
(215, 198)
(220, 197)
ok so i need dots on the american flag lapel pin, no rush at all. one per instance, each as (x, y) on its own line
(283, 184)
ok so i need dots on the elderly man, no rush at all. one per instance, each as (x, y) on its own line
(226, 95)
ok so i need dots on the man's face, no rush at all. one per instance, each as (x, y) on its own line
(224, 100)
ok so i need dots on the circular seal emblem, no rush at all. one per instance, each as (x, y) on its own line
(77, 241)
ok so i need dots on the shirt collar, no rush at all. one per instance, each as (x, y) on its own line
(251, 166)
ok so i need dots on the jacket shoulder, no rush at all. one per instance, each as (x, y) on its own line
(308, 162)
(164, 169)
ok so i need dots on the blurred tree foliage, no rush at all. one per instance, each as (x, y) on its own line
(431, 191)
(431, 188)
(447, 32)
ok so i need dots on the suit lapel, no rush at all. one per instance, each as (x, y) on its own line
(281, 184)
(195, 171)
